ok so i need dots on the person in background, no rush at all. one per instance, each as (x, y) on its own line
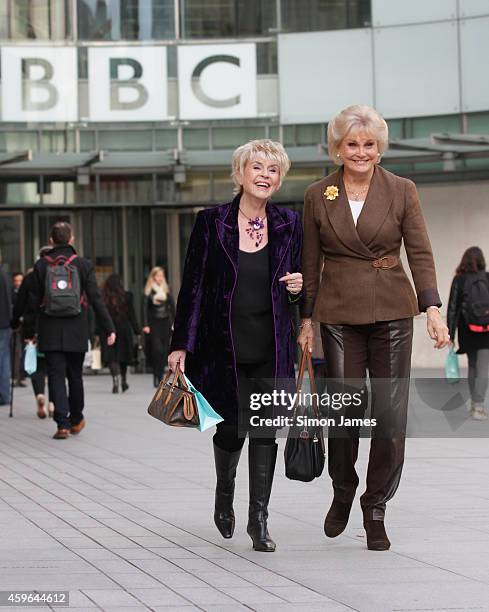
(355, 221)
(5, 334)
(62, 324)
(21, 311)
(17, 365)
(472, 335)
(158, 317)
(233, 328)
(119, 355)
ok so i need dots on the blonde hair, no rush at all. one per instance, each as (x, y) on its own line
(264, 148)
(359, 117)
(151, 279)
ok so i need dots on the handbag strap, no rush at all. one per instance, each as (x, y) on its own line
(178, 377)
(306, 361)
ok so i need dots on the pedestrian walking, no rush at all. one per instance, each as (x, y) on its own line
(64, 284)
(120, 355)
(22, 311)
(5, 336)
(468, 322)
(233, 329)
(158, 317)
(355, 220)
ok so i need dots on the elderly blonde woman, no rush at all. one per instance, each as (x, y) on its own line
(233, 327)
(355, 288)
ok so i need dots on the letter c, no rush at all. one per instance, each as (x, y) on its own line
(197, 87)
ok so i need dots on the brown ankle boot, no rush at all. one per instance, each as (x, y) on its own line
(337, 518)
(376, 536)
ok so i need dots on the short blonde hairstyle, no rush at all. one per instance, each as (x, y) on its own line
(258, 148)
(359, 117)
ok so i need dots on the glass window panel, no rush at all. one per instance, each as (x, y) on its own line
(166, 139)
(125, 140)
(324, 15)
(478, 123)
(86, 194)
(222, 18)
(273, 132)
(125, 19)
(396, 128)
(3, 20)
(425, 126)
(310, 134)
(19, 192)
(288, 135)
(126, 188)
(39, 19)
(87, 140)
(222, 187)
(57, 141)
(196, 139)
(266, 58)
(196, 188)
(296, 182)
(18, 141)
(10, 241)
(160, 245)
(58, 192)
(230, 138)
(165, 189)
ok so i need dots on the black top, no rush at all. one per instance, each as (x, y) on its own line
(5, 299)
(468, 341)
(252, 314)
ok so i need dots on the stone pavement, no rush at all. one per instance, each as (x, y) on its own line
(121, 516)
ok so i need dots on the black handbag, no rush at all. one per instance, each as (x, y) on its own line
(304, 453)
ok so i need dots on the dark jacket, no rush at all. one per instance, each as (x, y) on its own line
(5, 299)
(203, 318)
(125, 325)
(21, 303)
(68, 334)
(355, 287)
(152, 311)
(468, 341)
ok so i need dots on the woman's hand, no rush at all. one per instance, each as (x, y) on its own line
(293, 282)
(111, 338)
(146, 329)
(306, 335)
(437, 329)
(177, 358)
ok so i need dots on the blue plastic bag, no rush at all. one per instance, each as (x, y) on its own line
(452, 369)
(207, 415)
(30, 358)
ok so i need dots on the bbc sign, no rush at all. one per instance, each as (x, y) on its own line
(128, 83)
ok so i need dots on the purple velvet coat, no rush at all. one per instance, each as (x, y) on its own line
(203, 317)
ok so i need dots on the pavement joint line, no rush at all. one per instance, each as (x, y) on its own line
(201, 556)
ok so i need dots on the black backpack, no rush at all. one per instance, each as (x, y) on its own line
(476, 302)
(62, 289)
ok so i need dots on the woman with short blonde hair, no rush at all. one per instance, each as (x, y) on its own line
(355, 221)
(233, 331)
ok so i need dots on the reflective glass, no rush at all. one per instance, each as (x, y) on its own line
(125, 19)
(222, 18)
(10, 241)
(232, 137)
(39, 19)
(324, 15)
(196, 188)
(426, 126)
(124, 188)
(478, 123)
(125, 140)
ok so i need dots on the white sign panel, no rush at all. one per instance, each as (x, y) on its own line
(127, 84)
(217, 81)
(39, 84)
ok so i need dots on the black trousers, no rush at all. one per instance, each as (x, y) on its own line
(384, 349)
(38, 378)
(252, 378)
(68, 405)
(160, 342)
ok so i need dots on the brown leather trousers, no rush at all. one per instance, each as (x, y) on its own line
(384, 350)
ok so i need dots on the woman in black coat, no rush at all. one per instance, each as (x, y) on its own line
(472, 268)
(158, 317)
(121, 308)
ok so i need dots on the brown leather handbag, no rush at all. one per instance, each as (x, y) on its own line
(173, 403)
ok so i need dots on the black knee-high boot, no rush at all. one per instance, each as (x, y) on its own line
(261, 462)
(226, 464)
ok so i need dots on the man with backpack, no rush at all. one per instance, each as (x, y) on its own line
(63, 286)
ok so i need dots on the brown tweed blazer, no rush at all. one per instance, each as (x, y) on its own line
(354, 287)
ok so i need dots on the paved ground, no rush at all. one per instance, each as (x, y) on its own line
(121, 517)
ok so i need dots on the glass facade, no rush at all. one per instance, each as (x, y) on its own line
(35, 19)
(324, 15)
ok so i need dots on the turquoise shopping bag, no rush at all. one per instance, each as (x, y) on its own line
(452, 369)
(207, 415)
(30, 358)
